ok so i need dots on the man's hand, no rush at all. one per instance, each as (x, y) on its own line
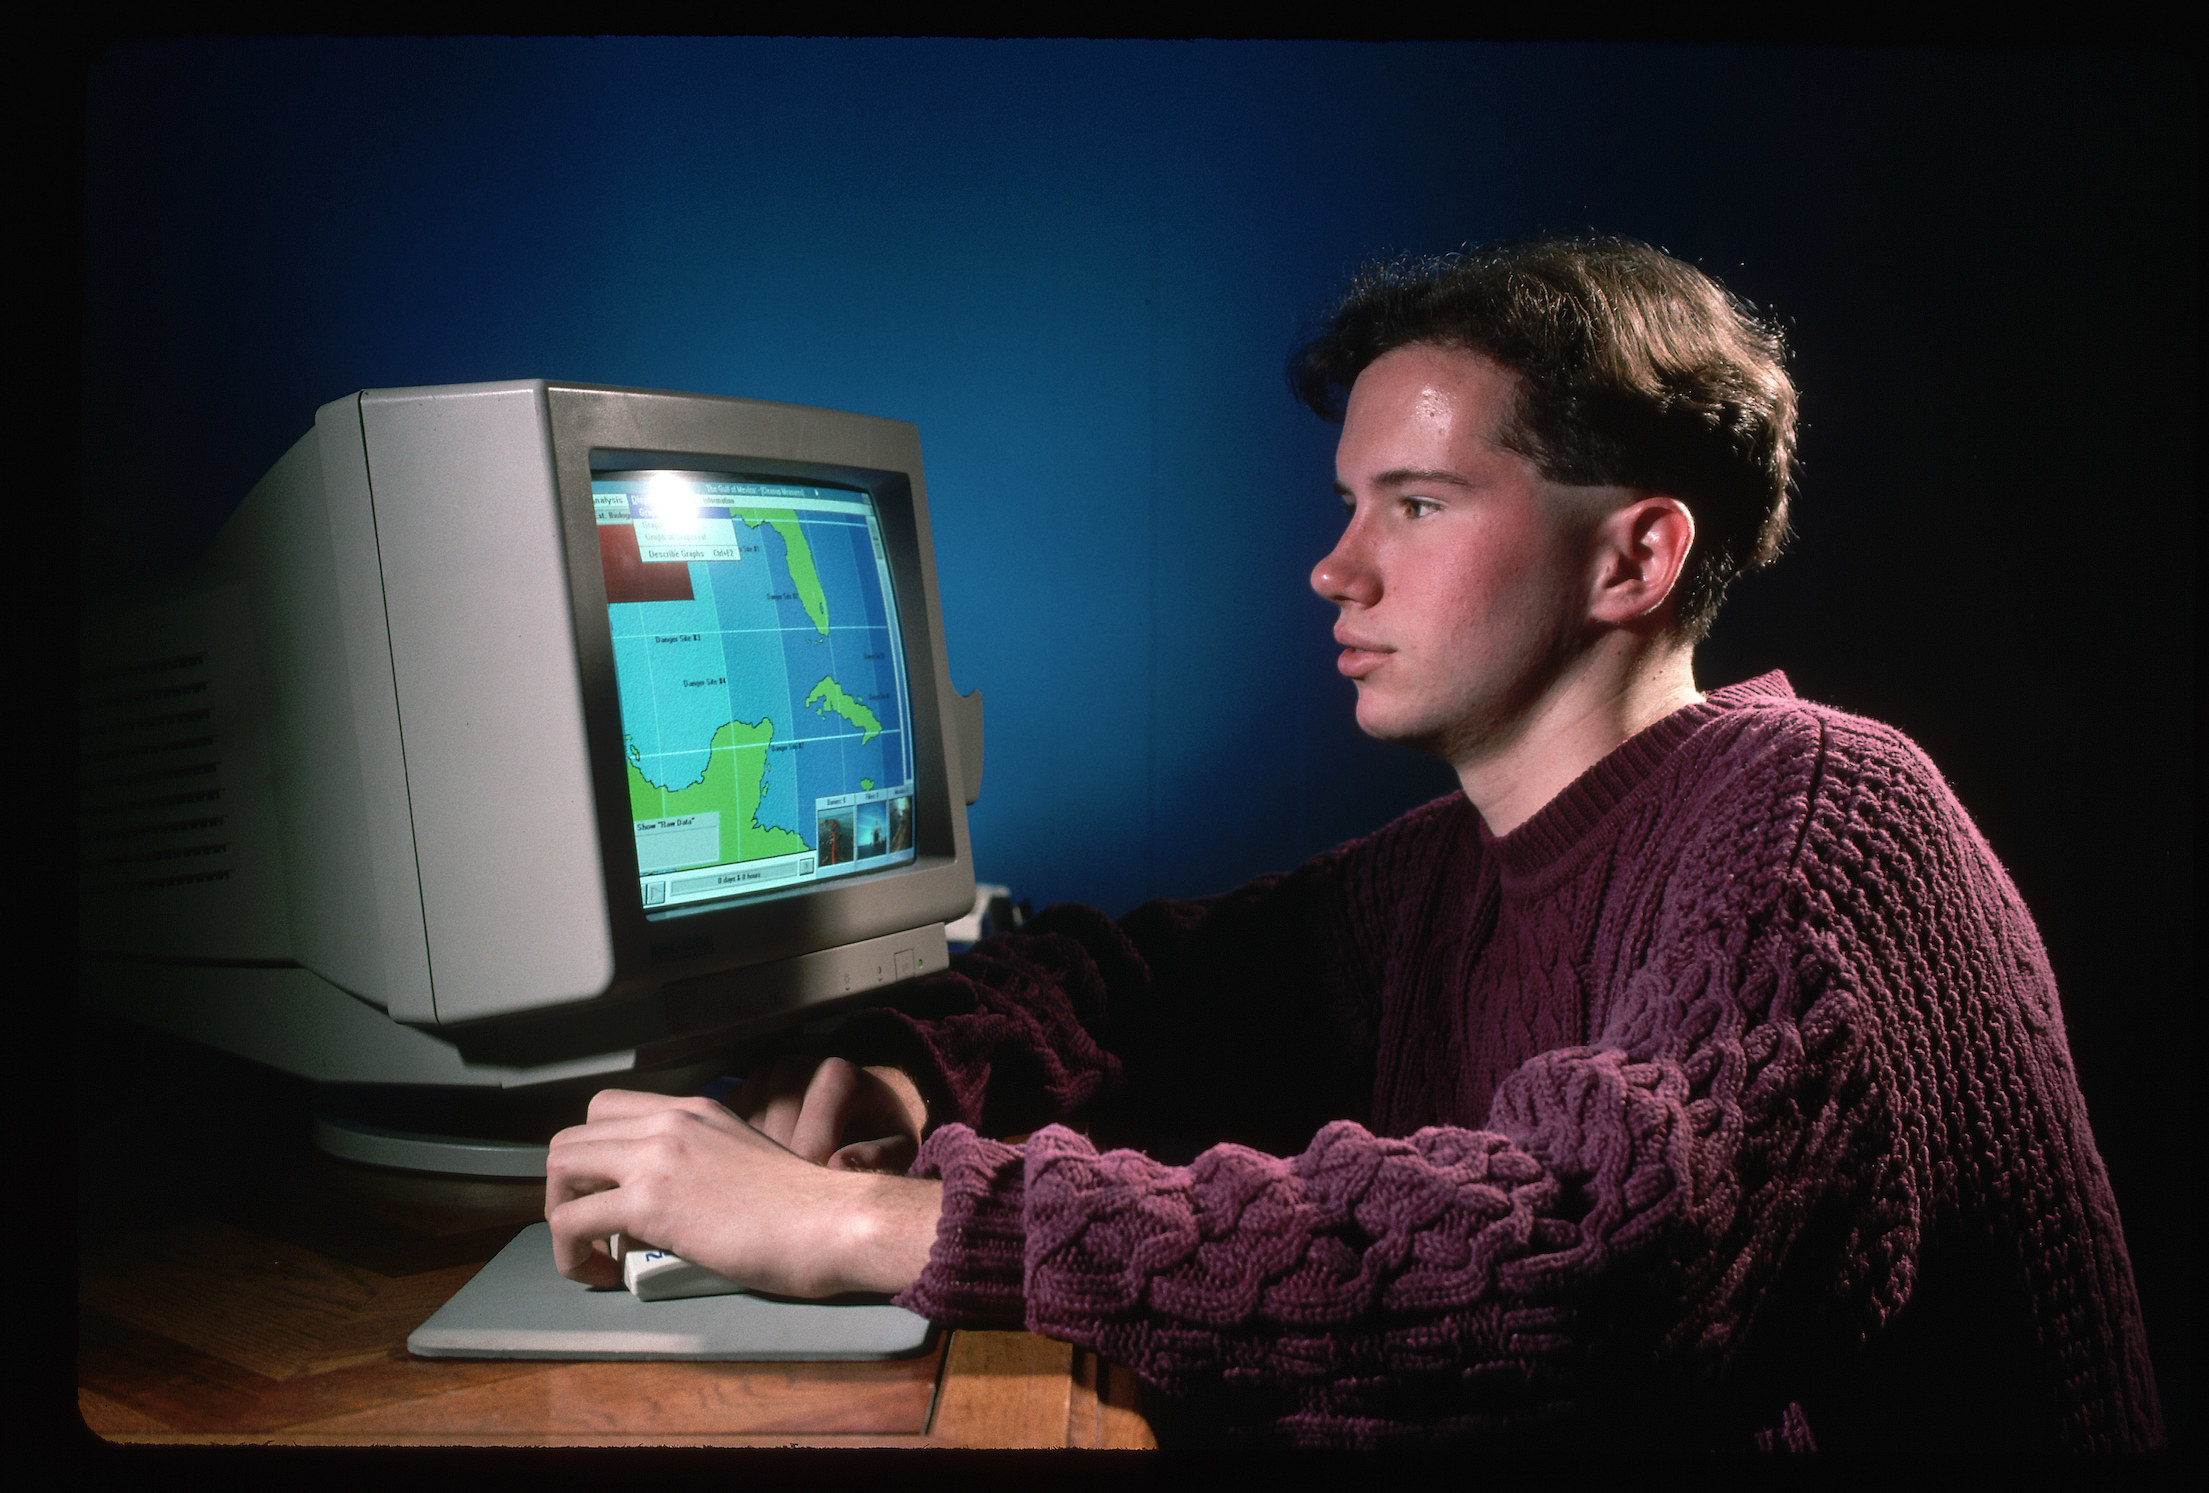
(688, 1176)
(827, 1110)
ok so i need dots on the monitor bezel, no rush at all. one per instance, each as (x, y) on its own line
(597, 429)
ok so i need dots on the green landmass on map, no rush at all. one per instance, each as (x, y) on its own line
(866, 785)
(830, 694)
(800, 556)
(736, 766)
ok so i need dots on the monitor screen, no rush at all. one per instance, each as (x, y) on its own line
(761, 677)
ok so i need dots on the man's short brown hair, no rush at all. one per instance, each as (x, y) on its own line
(1634, 370)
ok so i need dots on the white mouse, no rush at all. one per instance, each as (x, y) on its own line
(656, 1275)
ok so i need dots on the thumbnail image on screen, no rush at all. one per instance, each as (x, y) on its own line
(763, 699)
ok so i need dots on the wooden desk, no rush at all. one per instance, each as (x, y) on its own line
(235, 1286)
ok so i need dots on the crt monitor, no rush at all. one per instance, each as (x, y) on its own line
(530, 737)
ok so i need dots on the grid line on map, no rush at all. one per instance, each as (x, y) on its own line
(794, 741)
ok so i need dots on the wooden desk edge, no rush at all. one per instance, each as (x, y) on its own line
(996, 1390)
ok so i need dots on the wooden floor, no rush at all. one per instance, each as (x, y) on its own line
(234, 1285)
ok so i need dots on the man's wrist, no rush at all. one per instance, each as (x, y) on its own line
(891, 1229)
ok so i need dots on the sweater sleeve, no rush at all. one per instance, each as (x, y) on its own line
(1450, 1282)
(1499, 1282)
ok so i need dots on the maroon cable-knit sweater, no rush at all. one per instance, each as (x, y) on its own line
(1725, 1103)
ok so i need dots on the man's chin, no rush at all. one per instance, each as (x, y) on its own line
(1419, 735)
(1446, 739)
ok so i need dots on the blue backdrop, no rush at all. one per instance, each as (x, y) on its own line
(1077, 268)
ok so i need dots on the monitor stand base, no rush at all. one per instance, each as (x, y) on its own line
(473, 1133)
(350, 1139)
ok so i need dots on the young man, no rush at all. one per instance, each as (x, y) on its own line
(1692, 1080)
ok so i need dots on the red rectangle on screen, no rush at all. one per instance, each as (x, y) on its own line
(630, 578)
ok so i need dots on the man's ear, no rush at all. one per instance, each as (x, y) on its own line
(1641, 552)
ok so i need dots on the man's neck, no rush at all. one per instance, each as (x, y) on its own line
(1606, 696)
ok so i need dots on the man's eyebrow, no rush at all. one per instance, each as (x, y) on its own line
(1406, 476)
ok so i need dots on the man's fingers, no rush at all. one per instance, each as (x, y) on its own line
(772, 1101)
(613, 1109)
(611, 1155)
(577, 1224)
(596, 1270)
(628, 1103)
(582, 1163)
(591, 1150)
(829, 1105)
(892, 1153)
(616, 1104)
(810, 1106)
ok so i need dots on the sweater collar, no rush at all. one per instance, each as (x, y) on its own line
(1566, 820)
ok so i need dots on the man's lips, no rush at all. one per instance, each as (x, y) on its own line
(1360, 656)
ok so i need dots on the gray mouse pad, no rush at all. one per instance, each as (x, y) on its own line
(520, 1306)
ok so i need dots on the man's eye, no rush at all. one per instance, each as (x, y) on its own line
(1420, 507)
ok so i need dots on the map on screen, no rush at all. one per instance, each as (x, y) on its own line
(762, 682)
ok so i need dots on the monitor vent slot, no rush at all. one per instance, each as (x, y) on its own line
(149, 791)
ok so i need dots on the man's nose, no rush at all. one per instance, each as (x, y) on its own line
(1344, 574)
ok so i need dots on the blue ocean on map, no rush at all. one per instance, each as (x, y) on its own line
(745, 649)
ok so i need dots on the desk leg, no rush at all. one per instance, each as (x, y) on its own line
(1105, 1411)
(1003, 1389)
